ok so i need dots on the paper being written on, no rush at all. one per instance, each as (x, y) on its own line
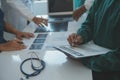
(85, 50)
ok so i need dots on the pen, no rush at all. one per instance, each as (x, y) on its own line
(42, 26)
(74, 40)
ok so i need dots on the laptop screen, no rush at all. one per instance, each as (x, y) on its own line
(60, 7)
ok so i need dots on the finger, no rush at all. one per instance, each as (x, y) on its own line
(74, 39)
(73, 36)
(78, 40)
(16, 41)
(44, 21)
(25, 35)
(19, 41)
(70, 39)
(30, 34)
(19, 37)
(76, 18)
(20, 47)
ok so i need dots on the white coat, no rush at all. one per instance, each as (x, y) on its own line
(17, 12)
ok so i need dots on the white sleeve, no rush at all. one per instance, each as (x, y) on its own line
(88, 4)
(21, 8)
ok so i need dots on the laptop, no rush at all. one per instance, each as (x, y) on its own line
(85, 50)
(60, 10)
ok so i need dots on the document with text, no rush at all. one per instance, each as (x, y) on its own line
(85, 50)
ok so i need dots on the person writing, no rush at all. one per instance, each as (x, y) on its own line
(103, 27)
(82, 9)
(15, 44)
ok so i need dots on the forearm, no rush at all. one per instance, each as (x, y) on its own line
(86, 30)
(2, 47)
(103, 63)
(9, 28)
(83, 9)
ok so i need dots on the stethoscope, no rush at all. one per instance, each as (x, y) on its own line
(37, 69)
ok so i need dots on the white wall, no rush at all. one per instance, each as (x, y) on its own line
(40, 7)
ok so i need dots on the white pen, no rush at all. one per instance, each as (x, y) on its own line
(42, 26)
(74, 40)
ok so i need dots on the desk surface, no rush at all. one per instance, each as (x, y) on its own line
(58, 65)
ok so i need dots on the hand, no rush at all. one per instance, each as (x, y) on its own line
(78, 13)
(40, 20)
(21, 35)
(75, 40)
(13, 45)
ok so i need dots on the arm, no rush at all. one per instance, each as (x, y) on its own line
(18, 34)
(12, 45)
(111, 60)
(82, 9)
(85, 33)
(87, 28)
(25, 12)
(106, 62)
(9, 28)
(79, 12)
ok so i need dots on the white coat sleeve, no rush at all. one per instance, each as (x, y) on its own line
(21, 8)
(88, 4)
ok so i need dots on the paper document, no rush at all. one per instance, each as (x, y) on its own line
(85, 50)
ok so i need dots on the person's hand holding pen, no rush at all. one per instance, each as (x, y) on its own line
(75, 40)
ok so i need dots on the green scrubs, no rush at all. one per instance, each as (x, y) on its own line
(103, 27)
(78, 3)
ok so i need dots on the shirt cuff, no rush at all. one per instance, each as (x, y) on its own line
(88, 4)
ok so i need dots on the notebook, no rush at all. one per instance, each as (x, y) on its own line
(85, 50)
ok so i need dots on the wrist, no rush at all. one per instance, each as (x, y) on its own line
(81, 39)
(2, 47)
(83, 8)
(16, 32)
(34, 19)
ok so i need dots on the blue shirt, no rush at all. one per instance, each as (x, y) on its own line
(78, 3)
(2, 40)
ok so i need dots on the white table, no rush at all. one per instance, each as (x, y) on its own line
(58, 65)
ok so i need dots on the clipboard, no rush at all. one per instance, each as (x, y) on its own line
(85, 50)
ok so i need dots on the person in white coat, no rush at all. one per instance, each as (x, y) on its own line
(82, 9)
(19, 12)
